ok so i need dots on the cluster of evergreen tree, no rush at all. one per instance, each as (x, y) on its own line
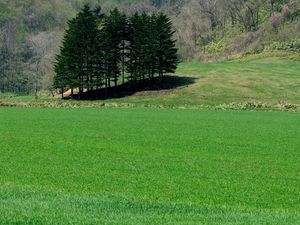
(101, 51)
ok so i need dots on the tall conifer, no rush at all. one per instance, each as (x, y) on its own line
(166, 52)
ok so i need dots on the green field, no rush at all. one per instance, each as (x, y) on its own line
(148, 166)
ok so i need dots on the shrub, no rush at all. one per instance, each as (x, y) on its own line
(275, 20)
(248, 43)
(286, 12)
(297, 27)
(291, 46)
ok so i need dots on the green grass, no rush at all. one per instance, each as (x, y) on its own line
(265, 80)
(269, 79)
(148, 166)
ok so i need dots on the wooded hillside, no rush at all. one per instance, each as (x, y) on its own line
(31, 32)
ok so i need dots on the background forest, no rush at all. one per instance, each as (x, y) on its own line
(31, 32)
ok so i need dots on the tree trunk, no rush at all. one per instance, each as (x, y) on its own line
(72, 92)
(149, 73)
(116, 85)
(62, 92)
(123, 64)
(161, 77)
(105, 92)
(36, 90)
(97, 84)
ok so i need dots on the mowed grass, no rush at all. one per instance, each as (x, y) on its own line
(148, 166)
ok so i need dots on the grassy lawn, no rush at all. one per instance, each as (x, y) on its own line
(150, 166)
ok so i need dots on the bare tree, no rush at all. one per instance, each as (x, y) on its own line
(43, 46)
(211, 9)
(245, 12)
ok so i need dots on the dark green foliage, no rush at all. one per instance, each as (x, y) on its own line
(112, 44)
(166, 51)
(276, 5)
(137, 47)
(98, 49)
(79, 57)
(61, 71)
(152, 47)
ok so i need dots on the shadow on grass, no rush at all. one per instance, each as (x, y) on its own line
(128, 89)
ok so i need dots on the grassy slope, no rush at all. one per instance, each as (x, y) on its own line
(264, 79)
(148, 166)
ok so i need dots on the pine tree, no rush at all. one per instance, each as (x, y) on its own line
(79, 53)
(136, 47)
(87, 41)
(146, 48)
(99, 52)
(152, 46)
(130, 64)
(124, 36)
(166, 53)
(113, 39)
(65, 66)
(60, 68)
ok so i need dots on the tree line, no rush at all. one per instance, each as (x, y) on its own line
(222, 28)
(101, 51)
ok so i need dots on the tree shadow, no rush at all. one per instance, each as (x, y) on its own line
(125, 90)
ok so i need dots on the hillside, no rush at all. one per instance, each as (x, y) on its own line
(264, 80)
(31, 32)
(254, 82)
